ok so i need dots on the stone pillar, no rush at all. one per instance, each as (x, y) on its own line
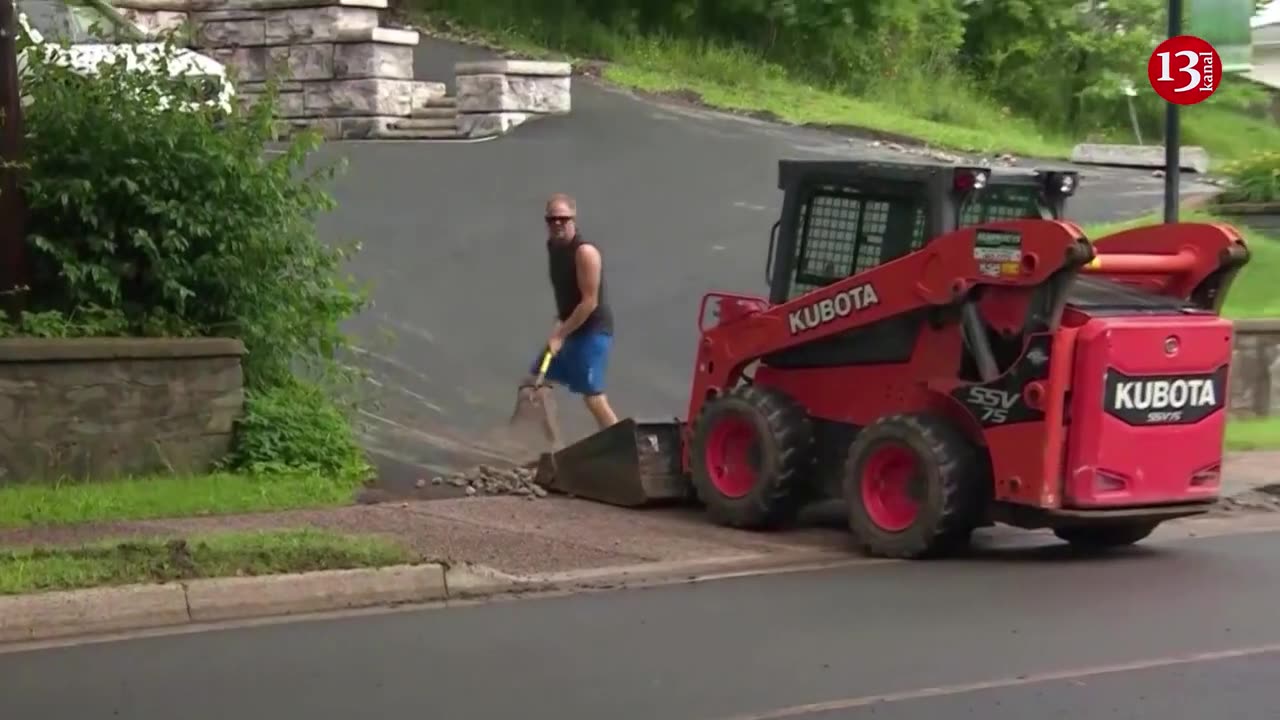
(494, 96)
(156, 17)
(336, 69)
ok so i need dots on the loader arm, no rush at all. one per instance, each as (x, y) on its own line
(940, 274)
(1193, 262)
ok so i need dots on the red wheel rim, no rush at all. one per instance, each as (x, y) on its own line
(732, 456)
(888, 477)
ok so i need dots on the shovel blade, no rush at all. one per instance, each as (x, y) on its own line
(532, 429)
(630, 464)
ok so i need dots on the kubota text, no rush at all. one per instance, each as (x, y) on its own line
(828, 309)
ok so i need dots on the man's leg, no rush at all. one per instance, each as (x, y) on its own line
(593, 356)
(599, 407)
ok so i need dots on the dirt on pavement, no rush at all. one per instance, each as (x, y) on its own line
(511, 534)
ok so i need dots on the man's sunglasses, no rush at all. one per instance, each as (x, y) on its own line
(556, 219)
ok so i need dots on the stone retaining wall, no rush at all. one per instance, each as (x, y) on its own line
(1255, 368)
(341, 72)
(97, 408)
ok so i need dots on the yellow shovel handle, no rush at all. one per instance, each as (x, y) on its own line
(546, 363)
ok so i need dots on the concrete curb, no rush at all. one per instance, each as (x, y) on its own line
(61, 614)
(100, 611)
(44, 616)
(1191, 157)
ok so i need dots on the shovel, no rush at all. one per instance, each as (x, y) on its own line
(535, 410)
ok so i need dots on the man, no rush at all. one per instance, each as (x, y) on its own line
(582, 336)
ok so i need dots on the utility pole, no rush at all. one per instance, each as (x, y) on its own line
(13, 210)
(1172, 131)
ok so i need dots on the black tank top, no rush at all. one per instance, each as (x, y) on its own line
(564, 281)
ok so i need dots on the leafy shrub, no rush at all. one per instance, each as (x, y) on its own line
(1255, 180)
(296, 426)
(156, 213)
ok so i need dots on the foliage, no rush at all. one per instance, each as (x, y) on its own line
(296, 426)
(1065, 65)
(1254, 180)
(155, 211)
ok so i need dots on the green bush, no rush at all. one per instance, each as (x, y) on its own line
(1255, 180)
(296, 426)
(155, 213)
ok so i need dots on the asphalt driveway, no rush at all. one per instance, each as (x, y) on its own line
(680, 199)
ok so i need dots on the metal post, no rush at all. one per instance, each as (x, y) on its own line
(1172, 132)
(13, 211)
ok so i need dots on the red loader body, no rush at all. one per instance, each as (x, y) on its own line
(942, 352)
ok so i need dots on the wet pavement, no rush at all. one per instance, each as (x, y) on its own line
(1005, 635)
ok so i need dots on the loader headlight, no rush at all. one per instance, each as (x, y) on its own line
(1060, 182)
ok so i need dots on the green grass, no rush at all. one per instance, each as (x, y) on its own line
(1227, 135)
(1253, 434)
(944, 114)
(943, 111)
(66, 503)
(1251, 295)
(222, 555)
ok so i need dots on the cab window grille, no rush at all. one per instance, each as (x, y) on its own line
(994, 204)
(843, 233)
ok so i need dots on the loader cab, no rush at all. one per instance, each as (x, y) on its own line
(840, 218)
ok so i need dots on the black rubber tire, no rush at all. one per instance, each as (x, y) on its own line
(954, 489)
(1103, 537)
(785, 436)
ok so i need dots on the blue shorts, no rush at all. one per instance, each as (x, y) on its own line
(581, 363)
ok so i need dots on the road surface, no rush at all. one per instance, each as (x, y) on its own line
(680, 200)
(1005, 635)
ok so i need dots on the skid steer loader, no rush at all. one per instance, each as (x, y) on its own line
(941, 350)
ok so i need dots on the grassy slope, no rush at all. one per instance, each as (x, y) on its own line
(945, 113)
(1251, 295)
(224, 555)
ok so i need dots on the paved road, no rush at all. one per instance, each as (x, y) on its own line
(737, 648)
(681, 200)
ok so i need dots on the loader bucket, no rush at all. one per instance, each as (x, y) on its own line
(631, 464)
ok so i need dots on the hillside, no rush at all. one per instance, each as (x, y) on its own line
(1028, 77)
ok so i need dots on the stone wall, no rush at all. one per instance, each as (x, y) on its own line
(97, 408)
(1255, 368)
(343, 73)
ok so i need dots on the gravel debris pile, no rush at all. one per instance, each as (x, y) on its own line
(489, 480)
(1260, 499)
(1004, 159)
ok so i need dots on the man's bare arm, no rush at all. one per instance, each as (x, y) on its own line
(587, 261)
